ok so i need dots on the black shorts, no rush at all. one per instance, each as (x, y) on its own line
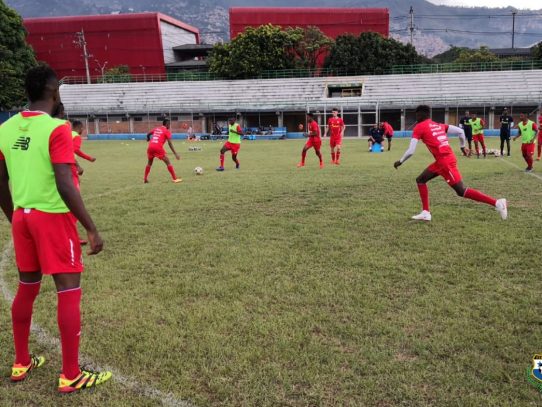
(468, 136)
(389, 138)
(505, 134)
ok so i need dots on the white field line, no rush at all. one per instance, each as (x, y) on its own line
(53, 344)
(519, 168)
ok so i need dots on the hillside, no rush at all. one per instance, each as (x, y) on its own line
(437, 26)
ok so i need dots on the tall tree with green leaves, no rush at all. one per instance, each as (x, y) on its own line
(536, 51)
(370, 53)
(483, 54)
(308, 46)
(16, 57)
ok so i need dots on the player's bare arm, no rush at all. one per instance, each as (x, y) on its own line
(177, 156)
(5, 194)
(71, 197)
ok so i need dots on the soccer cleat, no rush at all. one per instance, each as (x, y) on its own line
(321, 165)
(299, 165)
(333, 162)
(20, 372)
(220, 169)
(538, 159)
(84, 380)
(528, 170)
(177, 180)
(145, 181)
(423, 215)
(337, 162)
(237, 166)
(502, 207)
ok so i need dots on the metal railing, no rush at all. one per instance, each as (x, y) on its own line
(309, 73)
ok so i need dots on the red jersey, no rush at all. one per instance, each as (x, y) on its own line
(388, 130)
(159, 136)
(434, 137)
(314, 128)
(540, 125)
(335, 125)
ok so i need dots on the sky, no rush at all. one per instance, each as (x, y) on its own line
(520, 4)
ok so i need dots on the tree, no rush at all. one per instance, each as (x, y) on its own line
(16, 58)
(536, 51)
(476, 55)
(370, 53)
(117, 74)
(448, 56)
(309, 45)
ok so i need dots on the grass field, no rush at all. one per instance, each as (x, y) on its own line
(278, 286)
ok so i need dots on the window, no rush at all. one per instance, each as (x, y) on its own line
(346, 90)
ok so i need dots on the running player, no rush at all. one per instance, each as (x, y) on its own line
(388, 132)
(336, 125)
(507, 122)
(157, 139)
(434, 137)
(527, 131)
(539, 137)
(464, 123)
(233, 144)
(314, 141)
(36, 156)
(478, 125)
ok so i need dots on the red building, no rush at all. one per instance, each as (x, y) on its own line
(143, 41)
(331, 21)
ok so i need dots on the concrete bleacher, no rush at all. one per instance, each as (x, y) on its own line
(386, 91)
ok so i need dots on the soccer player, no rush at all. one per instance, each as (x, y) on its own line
(235, 132)
(477, 125)
(434, 137)
(388, 132)
(507, 122)
(464, 123)
(37, 158)
(77, 132)
(376, 136)
(157, 138)
(336, 126)
(314, 141)
(527, 131)
(539, 137)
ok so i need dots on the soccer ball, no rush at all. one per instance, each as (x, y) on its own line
(198, 171)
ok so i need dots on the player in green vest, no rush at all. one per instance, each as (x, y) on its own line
(477, 124)
(233, 144)
(36, 158)
(527, 131)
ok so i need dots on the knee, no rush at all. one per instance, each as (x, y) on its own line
(420, 180)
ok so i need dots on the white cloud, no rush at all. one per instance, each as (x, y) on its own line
(520, 4)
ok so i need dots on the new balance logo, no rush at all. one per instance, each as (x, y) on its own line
(21, 143)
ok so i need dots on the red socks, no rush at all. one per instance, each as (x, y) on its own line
(333, 157)
(539, 150)
(303, 156)
(338, 156)
(69, 324)
(21, 316)
(147, 172)
(172, 171)
(222, 160)
(476, 195)
(424, 195)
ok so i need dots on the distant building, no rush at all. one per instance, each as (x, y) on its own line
(145, 42)
(523, 53)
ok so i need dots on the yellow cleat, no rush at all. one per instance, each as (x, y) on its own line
(20, 372)
(85, 380)
(176, 181)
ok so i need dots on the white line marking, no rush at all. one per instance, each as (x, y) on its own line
(519, 168)
(53, 343)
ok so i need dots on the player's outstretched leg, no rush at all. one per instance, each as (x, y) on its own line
(222, 153)
(21, 316)
(422, 181)
(147, 171)
(171, 171)
(303, 157)
(471, 193)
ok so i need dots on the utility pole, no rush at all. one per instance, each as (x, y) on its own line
(80, 42)
(411, 28)
(513, 27)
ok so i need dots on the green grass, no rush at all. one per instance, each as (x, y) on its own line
(274, 285)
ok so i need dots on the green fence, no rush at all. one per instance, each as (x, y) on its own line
(471, 67)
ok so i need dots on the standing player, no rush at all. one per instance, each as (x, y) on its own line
(464, 123)
(527, 131)
(77, 132)
(388, 132)
(233, 144)
(336, 125)
(36, 159)
(157, 139)
(539, 137)
(507, 122)
(477, 125)
(314, 141)
(434, 137)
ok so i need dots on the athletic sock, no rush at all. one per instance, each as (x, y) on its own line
(303, 156)
(69, 324)
(21, 317)
(338, 156)
(172, 171)
(478, 196)
(424, 196)
(147, 172)
(539, 149)
(333, 156)
(222, 160)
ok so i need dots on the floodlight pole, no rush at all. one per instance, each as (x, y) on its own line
(411, 12)
(82, 43)
(513, 27)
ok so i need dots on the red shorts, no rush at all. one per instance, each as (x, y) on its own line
(234, 148)
(335, 141)
(315, 142)
(155, 152)
(527, 149)
(446, 167)
(478, 138)
(46, 242)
